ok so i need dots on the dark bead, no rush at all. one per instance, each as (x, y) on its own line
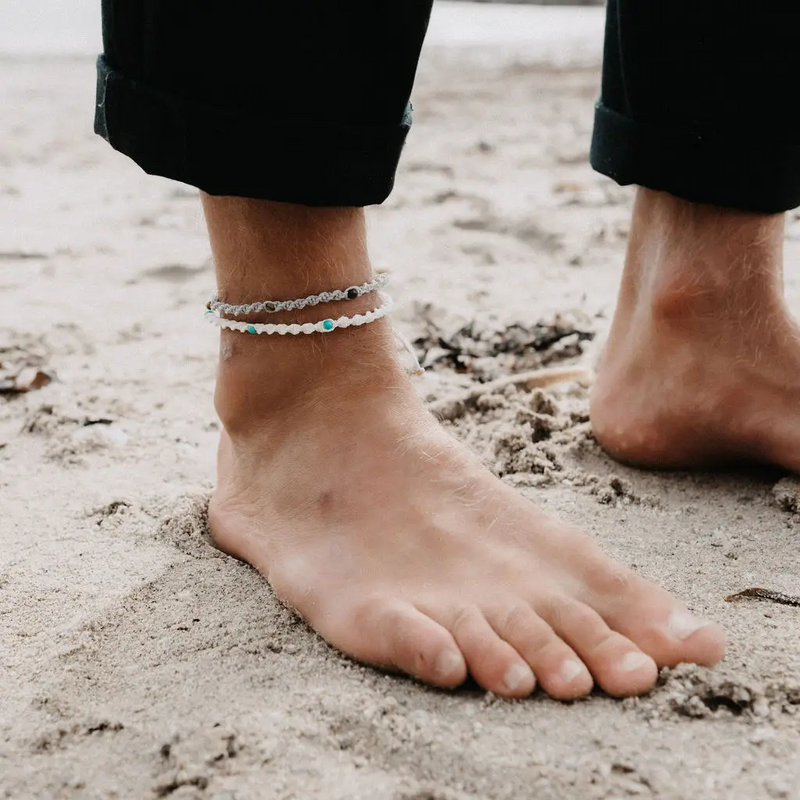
(352, 294)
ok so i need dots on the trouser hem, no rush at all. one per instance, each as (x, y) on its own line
(739, 172)
(246, 154)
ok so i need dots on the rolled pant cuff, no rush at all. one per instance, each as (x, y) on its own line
(742, 173)
(243, 154)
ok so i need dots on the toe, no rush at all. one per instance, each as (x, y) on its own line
(656, 622)
(669, 633)
(619, 667)
(701, 642)
(397, 635)
(492, 662)
(557, 668)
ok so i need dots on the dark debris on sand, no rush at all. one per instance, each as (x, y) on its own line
(483, 352)
(22, 369)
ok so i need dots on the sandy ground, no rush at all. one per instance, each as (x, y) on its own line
(138, 662)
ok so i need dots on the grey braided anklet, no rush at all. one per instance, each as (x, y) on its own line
(273, 306)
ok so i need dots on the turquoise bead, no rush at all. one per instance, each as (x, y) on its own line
(328, 324)
(251, 329)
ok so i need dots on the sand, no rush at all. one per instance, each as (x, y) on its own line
(138, 662)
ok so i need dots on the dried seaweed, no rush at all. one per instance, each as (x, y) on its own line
(757, 593)
(467, 347)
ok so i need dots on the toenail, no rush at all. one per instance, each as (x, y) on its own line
(682, 625)
(630, 662)
(448, 663)
(516, 676)
(571, 669)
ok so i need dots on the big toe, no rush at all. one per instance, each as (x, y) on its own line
(673, 636)
(660, 625)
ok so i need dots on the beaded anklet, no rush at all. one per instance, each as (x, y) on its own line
(273, 306)
(322, 326)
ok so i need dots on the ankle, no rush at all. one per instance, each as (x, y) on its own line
(277, 251)
(266, 381)
(687, 261)
(264, 250)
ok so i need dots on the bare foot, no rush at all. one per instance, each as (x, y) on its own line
(401, 550)
(387, 536)
(702, 366)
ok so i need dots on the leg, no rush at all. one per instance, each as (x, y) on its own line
(701, 361)
(387, 536)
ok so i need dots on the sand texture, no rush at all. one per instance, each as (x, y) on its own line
(138, 662)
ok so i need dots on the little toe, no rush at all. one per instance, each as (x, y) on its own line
(557, 668)
(397, 635)
(492, 662)
(618, 666)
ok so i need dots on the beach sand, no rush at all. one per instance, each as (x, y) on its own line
(138, 662)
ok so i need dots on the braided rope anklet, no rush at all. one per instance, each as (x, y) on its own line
(273, 306)
(293, 329)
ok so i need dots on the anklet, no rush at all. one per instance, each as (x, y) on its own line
(215, 309)
(322, 326)
(273, 306)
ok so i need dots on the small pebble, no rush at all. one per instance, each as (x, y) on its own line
(761, 707)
